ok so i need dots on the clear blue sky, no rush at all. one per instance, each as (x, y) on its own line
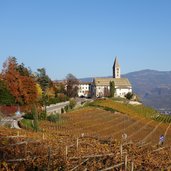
(83, 37)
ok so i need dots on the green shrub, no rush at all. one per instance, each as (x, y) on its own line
(72, 103)
(28, 116)
(66, 108)
(26, 123)
(62, 110)
(42, 115)
(33, 116)
(129, 95)
(109, 109)
(53, 117)
(53, 101)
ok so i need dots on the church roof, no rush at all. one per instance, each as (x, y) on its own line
(119, 82)
(116, 63)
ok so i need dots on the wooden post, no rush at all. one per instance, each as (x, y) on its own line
(132, 166)
(66, 151)
(77, 144)
(121, 151)
(18, 134)
(126, 162)
(43, 135)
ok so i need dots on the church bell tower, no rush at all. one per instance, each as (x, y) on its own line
(116, 69)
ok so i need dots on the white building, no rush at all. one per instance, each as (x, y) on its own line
(84, 89)
(101, 86)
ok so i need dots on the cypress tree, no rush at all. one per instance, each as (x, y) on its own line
(35, 118)
(112, 88)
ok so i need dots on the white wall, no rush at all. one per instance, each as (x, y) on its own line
(99, 92)
(122, 92)
(84, 90)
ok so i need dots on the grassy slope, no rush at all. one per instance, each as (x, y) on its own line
(26, 123)
(131, 110)
(91, 121)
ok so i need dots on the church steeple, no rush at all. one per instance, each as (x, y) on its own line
(116, 69)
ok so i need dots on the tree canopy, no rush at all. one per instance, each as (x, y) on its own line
(20, 86)
(19, 81)
(43, 79)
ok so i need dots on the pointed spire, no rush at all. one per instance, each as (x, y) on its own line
(116, 69)
(116, 63)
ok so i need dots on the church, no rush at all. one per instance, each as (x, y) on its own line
(101, 86)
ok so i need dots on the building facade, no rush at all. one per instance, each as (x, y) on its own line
(101, 86)
(84, 89)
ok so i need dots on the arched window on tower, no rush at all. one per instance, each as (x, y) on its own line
(117, 72)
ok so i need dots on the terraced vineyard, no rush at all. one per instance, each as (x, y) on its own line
(90, 138)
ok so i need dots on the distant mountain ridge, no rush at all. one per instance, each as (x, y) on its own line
(153, 87)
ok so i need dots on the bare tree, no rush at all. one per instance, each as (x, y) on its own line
(72, 85)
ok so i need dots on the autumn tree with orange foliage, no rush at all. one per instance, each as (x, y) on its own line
(19, 81)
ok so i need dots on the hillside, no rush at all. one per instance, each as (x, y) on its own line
(153, 87)
(90, 138)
